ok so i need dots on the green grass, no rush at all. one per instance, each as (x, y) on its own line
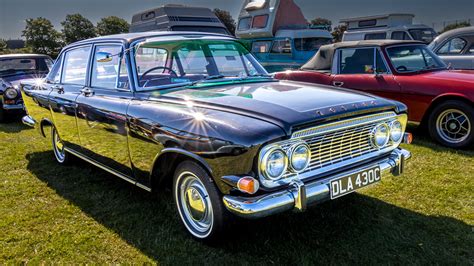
(79, 213)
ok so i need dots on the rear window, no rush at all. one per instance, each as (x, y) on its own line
(311, 44)
(17, 64)
(217, 30)
(425, 35)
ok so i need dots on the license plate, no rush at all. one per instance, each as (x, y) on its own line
(348, 184)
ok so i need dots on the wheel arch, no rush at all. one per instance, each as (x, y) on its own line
(443, 98)
(166, 163)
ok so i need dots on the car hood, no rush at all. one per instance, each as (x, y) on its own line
(14, 81)
(284, 103)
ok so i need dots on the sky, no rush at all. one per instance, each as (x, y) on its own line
(431, 12)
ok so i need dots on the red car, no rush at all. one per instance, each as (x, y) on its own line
(405, 71)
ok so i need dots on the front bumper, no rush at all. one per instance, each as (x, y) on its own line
(12, 107)
(300, 195)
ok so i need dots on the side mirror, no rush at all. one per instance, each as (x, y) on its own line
(103, 57)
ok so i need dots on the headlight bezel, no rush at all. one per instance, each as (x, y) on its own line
(264, 162)
(291, 153)
(9, 97)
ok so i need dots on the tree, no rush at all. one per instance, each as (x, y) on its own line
(323, 22)
(41, 37)
(338, 32)
(456, 25)
(76, 28)
(227, 19)
(112, 25)
(3, 45)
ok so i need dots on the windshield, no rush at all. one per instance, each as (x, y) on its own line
(11, 66)
(426, 35)
(414, 58)
(176, 63)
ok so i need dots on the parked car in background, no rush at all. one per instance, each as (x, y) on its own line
(173, 17)
(15, 68)
(198, 113)
(456, 47)
(390, 26)
(406, 71)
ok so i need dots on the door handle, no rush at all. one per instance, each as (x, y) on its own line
(87, 92)
(338, 83)
(58, 88)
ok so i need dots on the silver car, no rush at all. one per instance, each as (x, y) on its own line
(456, 47)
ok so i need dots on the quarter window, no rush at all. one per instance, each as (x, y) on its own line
(454, 46)
(54, 75)
(75, 66)
(104, 74)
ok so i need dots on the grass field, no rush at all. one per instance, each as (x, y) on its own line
(50, 213)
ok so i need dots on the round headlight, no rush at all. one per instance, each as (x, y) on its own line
(11, 93)
(275, 163)
(396, 131)
(380, 135)
(300, 156)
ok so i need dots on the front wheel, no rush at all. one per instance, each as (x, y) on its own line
(198, 202)
(60, 154)
(451, 124)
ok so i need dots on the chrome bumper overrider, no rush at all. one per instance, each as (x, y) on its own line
(29, 121)
(300, 195)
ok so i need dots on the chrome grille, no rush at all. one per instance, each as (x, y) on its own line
(335, 144)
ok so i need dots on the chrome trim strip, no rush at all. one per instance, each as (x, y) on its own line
(108, 169)
(316, 192)
(29, 121)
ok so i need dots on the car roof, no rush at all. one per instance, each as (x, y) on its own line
(323, 59)
(6, 56)
(132, 37)
(455, 32)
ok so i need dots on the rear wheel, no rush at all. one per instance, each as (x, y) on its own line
(198, 202)
(60, 154)
(452, 124)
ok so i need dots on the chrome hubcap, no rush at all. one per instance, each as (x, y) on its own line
(58, 147)
(194, 205)
(453, 126)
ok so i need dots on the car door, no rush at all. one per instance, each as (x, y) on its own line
(64, 94)
(102, 108)
(365, 69)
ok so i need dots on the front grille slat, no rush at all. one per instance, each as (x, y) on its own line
(338, 142)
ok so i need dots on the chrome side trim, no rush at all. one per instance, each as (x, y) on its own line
(299, 195)
(106, 168)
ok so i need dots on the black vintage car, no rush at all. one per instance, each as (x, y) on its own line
(198, 113)
(15, 68)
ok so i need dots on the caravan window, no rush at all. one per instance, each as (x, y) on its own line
(281, 47)
(260, 22)
(367, 23)
(261, 47)
(244, 23)
(400, 35)
(376, 36)
(310, 44)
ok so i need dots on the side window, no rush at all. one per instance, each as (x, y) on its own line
(261, 47)
(75, 66)
(400, 35)
(454, 46)
(381, 66)
(376, 36)
(54, 75)
(105, 71)
(356, 61)
(281, 47)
